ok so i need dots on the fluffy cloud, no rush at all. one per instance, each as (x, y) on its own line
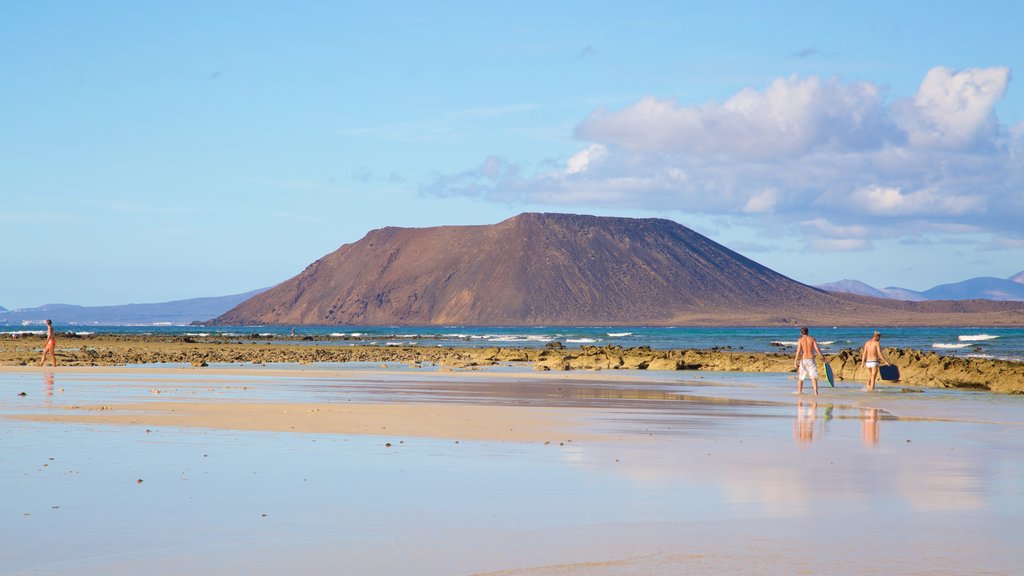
(843, 158)
(581, 161)
(926, 202)
(954, 110)
(791, 117)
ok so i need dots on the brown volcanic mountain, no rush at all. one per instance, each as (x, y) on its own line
(561, 269)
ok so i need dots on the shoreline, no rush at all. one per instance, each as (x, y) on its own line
(918, 368)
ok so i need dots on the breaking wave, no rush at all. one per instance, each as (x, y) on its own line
(975, 337)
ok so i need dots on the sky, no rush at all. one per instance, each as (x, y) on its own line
(158, 151)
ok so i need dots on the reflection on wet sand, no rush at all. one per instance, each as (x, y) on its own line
(869, 426)
(48, 383)
(806, 414)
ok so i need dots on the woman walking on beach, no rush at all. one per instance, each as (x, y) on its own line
(51, 344)
(870, 356)
(806, 351)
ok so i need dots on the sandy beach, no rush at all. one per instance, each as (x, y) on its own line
(369, 470)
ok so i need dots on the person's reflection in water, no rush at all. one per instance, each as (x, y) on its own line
(805, 416)
(869, 426)
(48, 385)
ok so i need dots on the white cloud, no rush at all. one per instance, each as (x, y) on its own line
(763, 201)
(791, 117)
(881, 199)
(926, 202)
(955, 109)
(798, 149)
(582, 160)
(837, 244)
(822, 227)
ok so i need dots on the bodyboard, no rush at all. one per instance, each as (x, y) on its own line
(829, 375)
(889, 372)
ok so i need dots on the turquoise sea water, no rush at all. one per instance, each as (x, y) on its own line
(990, 342)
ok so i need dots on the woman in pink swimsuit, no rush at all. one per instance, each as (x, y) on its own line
(51, 344)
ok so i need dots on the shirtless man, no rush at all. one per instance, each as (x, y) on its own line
(806, 352)
(51, 344)
(870, 356)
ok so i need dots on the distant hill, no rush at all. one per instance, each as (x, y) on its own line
(176, 312)
(987, 288)
(848, 286)
(983, 288)
(896, 293)
(853, 287)
(565, 269)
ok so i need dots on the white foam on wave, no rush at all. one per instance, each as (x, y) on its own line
(581, 340)
(84, 333)
(975, 337)
(200, 334)
(783, 343)
(619, 334)
(827, 342)
(517, 338)
(945, 346)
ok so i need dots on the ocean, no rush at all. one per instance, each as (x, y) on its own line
(985, 342)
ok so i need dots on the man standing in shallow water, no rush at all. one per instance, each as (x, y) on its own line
(806, 352)
(870, 356)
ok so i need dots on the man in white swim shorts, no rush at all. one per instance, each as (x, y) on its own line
(806, 352)
(870, 356)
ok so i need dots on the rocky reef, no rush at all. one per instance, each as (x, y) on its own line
(918, 369)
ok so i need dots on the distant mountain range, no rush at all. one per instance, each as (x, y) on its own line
(176, 312)
(982, 288)
(567, 269)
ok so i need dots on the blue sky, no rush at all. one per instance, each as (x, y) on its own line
(154, 151)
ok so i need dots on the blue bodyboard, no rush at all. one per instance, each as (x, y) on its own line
(889, 372)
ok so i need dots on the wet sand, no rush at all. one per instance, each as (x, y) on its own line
(361, 470)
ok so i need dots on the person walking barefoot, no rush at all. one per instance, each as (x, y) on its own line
(51, 345)
(870, 356)
(806, 352)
